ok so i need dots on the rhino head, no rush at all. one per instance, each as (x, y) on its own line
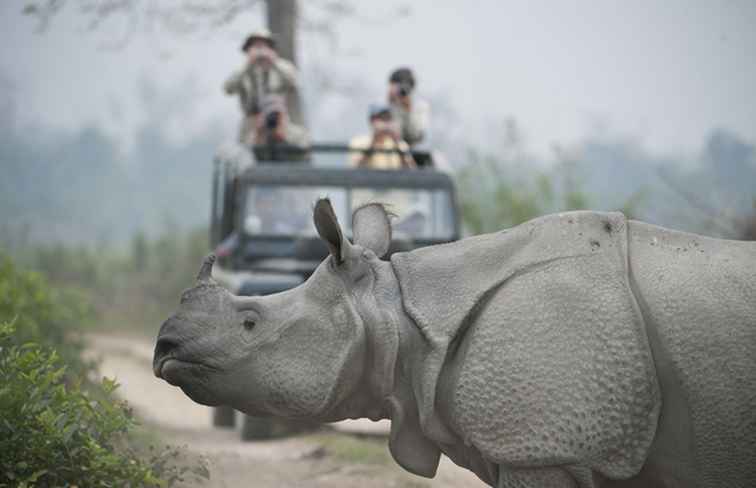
(302, 353)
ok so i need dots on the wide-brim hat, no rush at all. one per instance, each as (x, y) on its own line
(259, 35)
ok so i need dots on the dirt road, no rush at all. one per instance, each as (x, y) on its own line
(324, 459)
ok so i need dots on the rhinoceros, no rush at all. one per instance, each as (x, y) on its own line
(579, 349)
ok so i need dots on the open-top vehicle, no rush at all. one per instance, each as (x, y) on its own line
(262, 230)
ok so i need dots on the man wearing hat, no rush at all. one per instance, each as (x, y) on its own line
(265, 76)
(410, 113)
(384, 148)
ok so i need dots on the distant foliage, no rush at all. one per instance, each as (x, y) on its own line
(138, 286)
(79, 188)
(147, 282)
(510, 186)
(497, 193)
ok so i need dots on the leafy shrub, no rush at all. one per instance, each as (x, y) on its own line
(57, 428)
(51, 316)
(53, 433)
(497, 194)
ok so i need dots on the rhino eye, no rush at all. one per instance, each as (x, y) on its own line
(249, 324)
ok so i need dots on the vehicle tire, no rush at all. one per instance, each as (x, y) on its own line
(256, 428)
(224, 417)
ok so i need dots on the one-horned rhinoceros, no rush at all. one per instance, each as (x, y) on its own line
(576, 350)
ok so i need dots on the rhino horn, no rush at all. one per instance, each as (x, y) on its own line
(206, 270)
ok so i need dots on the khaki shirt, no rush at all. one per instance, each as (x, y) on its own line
(379, 160)
(255, 82)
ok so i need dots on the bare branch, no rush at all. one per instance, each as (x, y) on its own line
(43, 10)
(186, 17)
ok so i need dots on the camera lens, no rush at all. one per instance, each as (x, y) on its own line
(271, 120)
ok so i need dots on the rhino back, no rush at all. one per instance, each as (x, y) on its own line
(699, 294)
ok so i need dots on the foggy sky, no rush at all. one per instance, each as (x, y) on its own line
(661, 72)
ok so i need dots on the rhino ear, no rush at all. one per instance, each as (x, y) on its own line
(372, 228)
(329, 229)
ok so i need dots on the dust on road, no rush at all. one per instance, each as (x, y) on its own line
(326, 459)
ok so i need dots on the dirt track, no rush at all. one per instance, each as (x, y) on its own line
(330, 459)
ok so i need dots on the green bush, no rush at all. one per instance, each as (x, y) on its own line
(51, 316)
(57, 428)
(53, 433)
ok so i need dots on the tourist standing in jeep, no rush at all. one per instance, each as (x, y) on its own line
(264, 85)
(410, 113)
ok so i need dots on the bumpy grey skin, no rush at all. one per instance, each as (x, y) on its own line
(575, 350)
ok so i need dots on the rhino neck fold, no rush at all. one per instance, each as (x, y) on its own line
(392, 337)
(409, 444)
(379, 312)
(375, 311)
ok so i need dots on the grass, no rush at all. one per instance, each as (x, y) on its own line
(367, 451)
(353, 449)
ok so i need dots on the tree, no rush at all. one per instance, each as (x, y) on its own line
(139, 251)
(282, 18)
(748, 227)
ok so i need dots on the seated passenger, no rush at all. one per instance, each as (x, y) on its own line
(273, 126)
(383, 149)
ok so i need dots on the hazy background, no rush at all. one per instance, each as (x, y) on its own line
(109, 131)
(111, 111)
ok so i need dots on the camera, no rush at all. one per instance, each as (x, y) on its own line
(404, 89)
(272, 119)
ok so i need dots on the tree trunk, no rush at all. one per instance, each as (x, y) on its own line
(282, 22)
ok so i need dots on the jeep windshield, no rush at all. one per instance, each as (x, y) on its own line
(286, 210)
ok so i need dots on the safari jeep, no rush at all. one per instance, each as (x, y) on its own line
(262, 230)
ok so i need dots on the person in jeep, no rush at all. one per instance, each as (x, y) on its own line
(410, 113)
(383, 148)
(263, 86)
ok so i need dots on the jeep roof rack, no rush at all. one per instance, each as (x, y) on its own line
(299, 174)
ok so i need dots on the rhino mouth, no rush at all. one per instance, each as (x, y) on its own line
(194, 378)
(170, 366)
(177, 371)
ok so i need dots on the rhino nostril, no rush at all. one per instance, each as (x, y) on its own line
(163, 351)
(164, 346)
